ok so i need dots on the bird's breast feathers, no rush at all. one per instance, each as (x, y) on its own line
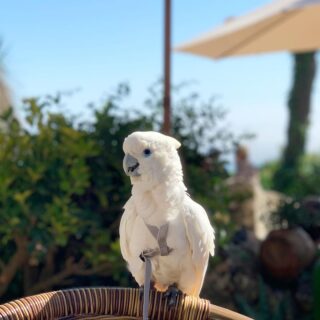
(189, 229)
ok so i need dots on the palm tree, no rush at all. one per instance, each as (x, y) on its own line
(5, 100)
(299, 111)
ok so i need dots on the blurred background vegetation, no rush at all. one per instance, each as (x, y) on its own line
(63, 187)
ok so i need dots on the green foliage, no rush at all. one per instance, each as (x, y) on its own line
(63, 188)
(40, 172)
(264, 309)
(292, 213)
(266, 174)
(305, 181)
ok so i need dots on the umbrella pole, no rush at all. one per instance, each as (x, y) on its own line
(167, 69)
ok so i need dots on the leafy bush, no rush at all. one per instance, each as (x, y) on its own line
(49, 203)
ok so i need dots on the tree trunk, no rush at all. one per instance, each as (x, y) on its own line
(299, 110)
(17, 261)
(5, 102)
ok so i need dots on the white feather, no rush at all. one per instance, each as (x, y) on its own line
(201, 239)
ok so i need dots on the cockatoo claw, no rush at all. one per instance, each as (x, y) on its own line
(172, 294)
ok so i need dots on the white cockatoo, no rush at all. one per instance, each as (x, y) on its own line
(158, 199)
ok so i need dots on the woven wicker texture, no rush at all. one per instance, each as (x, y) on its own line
(109, 303)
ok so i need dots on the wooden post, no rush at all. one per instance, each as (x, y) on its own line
(166, 128)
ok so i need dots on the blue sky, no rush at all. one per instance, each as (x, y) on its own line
(56, 45)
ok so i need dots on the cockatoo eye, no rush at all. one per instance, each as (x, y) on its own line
(147, 152)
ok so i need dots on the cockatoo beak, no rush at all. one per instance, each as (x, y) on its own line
(130, 165)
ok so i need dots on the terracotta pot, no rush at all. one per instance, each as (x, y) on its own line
(285, 253)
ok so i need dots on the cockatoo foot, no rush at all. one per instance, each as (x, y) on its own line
(172, 294)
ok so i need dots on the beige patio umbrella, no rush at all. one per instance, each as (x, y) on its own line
(290, 25)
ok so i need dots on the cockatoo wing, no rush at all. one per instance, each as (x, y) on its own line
(201, 239)
(126, 223)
